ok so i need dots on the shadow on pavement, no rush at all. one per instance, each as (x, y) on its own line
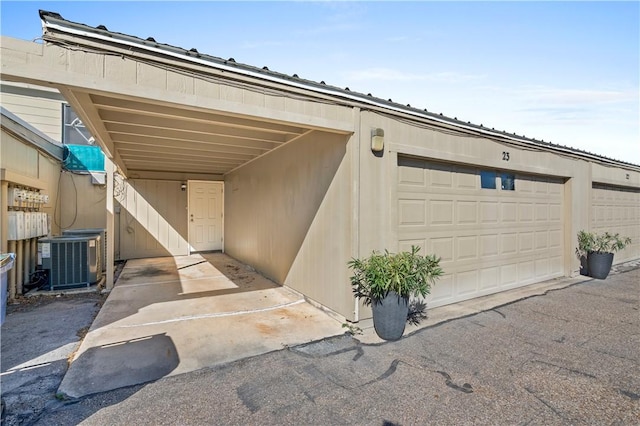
(121, 364)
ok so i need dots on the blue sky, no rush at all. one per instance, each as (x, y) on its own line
(565, 72)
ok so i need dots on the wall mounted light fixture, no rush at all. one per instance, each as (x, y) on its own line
(377, 140)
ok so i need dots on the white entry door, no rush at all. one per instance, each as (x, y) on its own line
(206, 207)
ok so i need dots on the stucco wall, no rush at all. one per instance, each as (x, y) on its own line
(288, 215)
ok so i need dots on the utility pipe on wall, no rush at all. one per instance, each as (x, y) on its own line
(12, 272)
(34, 256)
(19, 266)
(26, 255)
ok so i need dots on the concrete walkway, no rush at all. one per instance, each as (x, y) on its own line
(168, 316)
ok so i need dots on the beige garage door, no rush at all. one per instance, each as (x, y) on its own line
(617, 209)
(489, 239)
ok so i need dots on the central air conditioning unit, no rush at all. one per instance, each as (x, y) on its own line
(88, 232)
(71, 261)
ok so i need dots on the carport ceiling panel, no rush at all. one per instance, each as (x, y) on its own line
(168, 145)
(141, 124)
(257, 146)
(161, 137)
(142, 108)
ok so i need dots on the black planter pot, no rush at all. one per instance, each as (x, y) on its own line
(599, 264)
(584, 267)
(390, 315)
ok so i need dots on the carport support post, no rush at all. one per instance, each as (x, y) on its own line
(109, 166)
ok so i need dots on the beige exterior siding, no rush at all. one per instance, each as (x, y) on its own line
(43, 114)
(81, 203)
(74, 202)
(288, 215)
(18, 156)
(152, 219)
(24, 166)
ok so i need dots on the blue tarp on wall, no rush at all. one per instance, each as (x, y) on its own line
(84, 158)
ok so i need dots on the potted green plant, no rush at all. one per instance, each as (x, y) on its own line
(586, 241)
(599, 250)
(387, 280)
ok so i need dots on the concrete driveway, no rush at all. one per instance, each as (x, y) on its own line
(168, 316)
(568, 356)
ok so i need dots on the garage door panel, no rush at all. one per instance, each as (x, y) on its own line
(556, 266)
(467, 212)
(489, 212)
(525, 212)
(442, 291)
(508, 275)
(541, 187)
(443, 247)
(412, 212)
(488, 239)
(509, 212)
(467, 247)
(525, 186)
(617, 210)
(509, 243)
(542, 240)
(407, 244)
(440, 177)
(489, 278)
(556, 188)
(525, 242)
(555, 239)
(542, 269)
(489, 246)
(412, 176)
(488, 243)
(467, 283)
(440, 212)
(526, 272)
(555, 212)
(466, 180)
(542, 212)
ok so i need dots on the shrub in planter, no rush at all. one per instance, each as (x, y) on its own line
(386, 281)
(598, 250)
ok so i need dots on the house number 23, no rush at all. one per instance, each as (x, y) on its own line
(505, 155)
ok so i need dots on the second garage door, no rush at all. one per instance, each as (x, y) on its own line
(617, 210)
(493, 230)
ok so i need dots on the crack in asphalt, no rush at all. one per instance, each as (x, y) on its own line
(547, 404)
(466, 388)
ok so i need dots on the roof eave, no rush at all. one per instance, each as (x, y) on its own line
(53, 22)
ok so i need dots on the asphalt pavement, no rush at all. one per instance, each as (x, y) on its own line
(38, 336)
(569, 356)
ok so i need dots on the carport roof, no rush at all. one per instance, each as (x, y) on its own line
(54, 23)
